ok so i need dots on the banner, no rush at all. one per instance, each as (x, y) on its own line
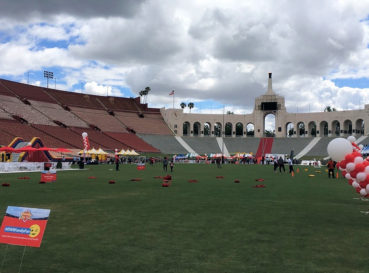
(24, 226)
(48, 176)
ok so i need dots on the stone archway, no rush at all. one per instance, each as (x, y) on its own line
(186, 128)
(239, 129)
(269, 125)
(347, 127)
(218, 129)
(250, 130)
(336, 128)
(312, 131)
(228, 129)
(324, 128)
(301, 129)
(196, 128)
(290, 129)
(207, 129)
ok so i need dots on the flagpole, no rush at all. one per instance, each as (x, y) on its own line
(173, 99)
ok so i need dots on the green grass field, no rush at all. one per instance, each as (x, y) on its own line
(295, 224)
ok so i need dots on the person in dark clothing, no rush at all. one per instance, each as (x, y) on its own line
(262, 160)
(165, 164)
(281, 164)
(117, 162)
(275, 162)
(171, 165)
(218, 160)
(330, 166)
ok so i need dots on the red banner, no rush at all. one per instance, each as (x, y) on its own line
(48, 177)
(24, 226)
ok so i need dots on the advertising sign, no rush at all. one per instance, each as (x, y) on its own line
(48, 176)
(23, 226)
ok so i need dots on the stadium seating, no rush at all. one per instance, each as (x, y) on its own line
(203, 145)
(27, 132)
(56, 112)
(99, 118)
(286, 145)
(75, 99)
(242, 145)
(118, 104)
(133, 141)
(27, 91)
(320, 149)
(15, 107)
(165, 143)
(144, 125)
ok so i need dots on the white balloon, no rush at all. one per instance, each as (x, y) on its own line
(358, 160)
(366, 170)
(351, 138)
(348, 176)
(367, 188)
(355, 184)
(84, 134)
(361, 146)
(350, 167)
(361, 176)
(342, 169)
(338, 148)
(363, 192)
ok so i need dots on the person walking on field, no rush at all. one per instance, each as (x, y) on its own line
(275, 162)
(117, 162)
(281, 164)
(330, 166)
(290, 165)
(171, 165)
(165, 164)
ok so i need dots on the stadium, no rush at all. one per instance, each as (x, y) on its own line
(216, 166)
(54, 118)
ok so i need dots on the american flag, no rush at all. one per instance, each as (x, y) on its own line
(171, 93)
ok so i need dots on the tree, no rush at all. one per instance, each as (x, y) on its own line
(144, 93)
(290, 132)
(230, 113)
(191, 105)
(329, 109)
(269, 133)
(183, 105)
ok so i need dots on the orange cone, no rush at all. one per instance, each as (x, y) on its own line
(298, 170)
(292, 174)
(337, 175)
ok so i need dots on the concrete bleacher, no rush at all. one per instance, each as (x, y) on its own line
(69, 137)
(203, 145)
(118, 104)
(146, 125)
(75, 99)
(165, 143)
(56, 112)
(4, 115)
(27, 132)
(242, 145)
(99, 118)
(133, 142)
(320, 149)
(26, 91)
(286, 145)
(5, 137)
(99, 139)
(14, 106)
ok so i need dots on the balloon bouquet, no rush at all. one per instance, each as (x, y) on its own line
(351, 163)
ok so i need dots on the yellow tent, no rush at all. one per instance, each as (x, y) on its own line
(122, 152)
(134, 152)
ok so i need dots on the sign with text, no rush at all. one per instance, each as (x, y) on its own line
(48, 176)
(23, 226)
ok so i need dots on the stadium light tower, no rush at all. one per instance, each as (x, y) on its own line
(48, 75)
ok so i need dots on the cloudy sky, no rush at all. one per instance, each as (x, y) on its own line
(214, 53)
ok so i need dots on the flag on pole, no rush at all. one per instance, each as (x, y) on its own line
(171, 93)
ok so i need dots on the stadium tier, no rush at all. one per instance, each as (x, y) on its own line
(75, 99)
(286, 145)
(15, 107)
(99, 118)
(246, 145)
(118, 104)
(133, 141)
(57, 113)
(205, 145)
(144, 125)
(165, 143)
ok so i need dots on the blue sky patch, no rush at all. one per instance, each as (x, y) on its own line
(354, 83)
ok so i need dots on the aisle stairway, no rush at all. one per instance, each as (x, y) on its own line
(265, 146)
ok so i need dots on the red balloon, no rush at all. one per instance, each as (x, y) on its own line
(350, 181)
(363, 184)
(343, 164)
(344, 173)
(365, 163)
(350, 158)
(358, 168)
(358, 189)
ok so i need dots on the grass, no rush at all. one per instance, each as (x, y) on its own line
(295, 224)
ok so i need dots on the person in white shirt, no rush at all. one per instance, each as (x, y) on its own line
(290, 165)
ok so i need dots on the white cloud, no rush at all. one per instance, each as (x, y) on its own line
(219, 50)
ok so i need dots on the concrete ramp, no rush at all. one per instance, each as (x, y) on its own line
(185, 145)
(308, 147)
(222, 146)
